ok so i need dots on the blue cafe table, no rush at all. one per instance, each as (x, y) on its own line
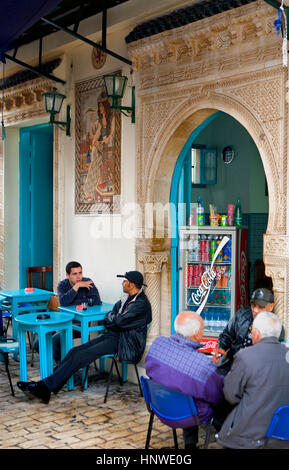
(44, 327)
(82, 323)
(37, 300)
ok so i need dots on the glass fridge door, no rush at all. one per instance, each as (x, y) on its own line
(201, 281)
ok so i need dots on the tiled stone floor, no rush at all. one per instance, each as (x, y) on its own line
(79, 420)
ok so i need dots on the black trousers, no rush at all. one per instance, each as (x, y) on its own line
(191, 435)
(81, 356)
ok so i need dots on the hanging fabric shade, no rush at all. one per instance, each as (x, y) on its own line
(16, 17)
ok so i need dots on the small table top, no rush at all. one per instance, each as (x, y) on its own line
(94, 311)
(30, 319)
(21, 293)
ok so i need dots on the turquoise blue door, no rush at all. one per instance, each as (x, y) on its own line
(36, 200)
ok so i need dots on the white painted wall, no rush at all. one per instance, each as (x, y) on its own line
(103, 244)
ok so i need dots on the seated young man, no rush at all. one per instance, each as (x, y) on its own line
(73, 290)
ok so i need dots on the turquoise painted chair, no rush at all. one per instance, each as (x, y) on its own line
(8, 346)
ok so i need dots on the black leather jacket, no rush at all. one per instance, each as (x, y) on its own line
(131, 326)
(234, 336)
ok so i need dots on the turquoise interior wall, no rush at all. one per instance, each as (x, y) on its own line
(244, 177)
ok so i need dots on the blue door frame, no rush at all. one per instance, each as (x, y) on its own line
(35, 199)
(181, 192)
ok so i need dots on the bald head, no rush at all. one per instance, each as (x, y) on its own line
(190, 325)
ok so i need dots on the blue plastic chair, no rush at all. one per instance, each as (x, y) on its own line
(279, 426)
(8, 346)
(171, 405)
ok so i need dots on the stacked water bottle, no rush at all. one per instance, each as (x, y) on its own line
(215, 320)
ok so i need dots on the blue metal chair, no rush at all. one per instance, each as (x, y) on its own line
(8, 346)
(279, 426)
(113, 358)
(171, 406)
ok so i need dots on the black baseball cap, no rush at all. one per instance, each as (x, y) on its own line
(262, 297)
(133, 276)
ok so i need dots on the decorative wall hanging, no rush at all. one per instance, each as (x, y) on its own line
(98, 58)
(98, 150)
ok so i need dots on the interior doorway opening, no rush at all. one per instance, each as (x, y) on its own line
(235, 172)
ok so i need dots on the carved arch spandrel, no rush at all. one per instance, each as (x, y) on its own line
(174, 132)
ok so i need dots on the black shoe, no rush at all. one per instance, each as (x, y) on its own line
(35, 390)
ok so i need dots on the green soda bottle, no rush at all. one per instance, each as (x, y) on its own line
(238, 214)
(200, 212)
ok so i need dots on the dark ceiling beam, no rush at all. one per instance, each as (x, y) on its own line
(88, 41)
(68, 14)
(34, 69)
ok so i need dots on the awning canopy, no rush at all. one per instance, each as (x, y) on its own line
(25, 21)
(18, 16)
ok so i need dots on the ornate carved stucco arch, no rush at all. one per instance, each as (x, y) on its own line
(176, 130)
(160, 164)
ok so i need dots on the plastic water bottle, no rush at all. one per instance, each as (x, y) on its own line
(214, 322)
(204, 317)
(238, 214)
(200, 212)
(223, 319)
(209, 320)
(218, 323)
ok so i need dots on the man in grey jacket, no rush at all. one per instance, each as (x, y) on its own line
(256, 386)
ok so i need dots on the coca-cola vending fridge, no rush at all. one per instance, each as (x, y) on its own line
(213, 273)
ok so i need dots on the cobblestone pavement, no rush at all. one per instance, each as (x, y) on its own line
(79, 420)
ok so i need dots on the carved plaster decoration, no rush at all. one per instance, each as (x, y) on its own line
(276, 245)
(152, 266)
(279, 275)
(25, 101)
(152, 147)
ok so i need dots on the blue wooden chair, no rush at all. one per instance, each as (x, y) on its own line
(171, 406)
(8, 346)
(279, 426)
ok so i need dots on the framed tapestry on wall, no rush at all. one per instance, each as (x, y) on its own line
(98, 150)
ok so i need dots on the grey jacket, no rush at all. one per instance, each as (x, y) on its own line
(257, 384)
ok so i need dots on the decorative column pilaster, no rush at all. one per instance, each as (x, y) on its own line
(152, 264)
(276, 259)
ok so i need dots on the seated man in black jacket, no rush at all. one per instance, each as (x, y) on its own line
(237, 334)
(126, 332)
